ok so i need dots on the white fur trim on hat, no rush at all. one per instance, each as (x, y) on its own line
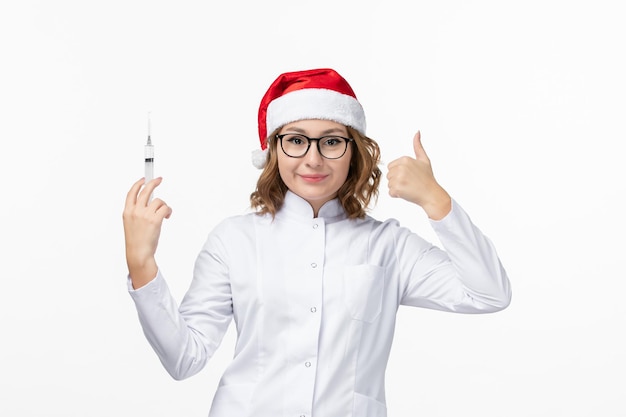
(315, 103)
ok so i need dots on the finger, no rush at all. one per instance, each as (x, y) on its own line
(159, 208)
(164, 211)
(398, 161)
(420, 153)
(392, 164)
(144, 195)
(393, 193)
(131, 196)
(155, 206)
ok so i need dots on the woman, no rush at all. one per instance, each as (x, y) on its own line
(312, 282)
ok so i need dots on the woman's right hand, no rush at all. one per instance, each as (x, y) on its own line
(142, 226)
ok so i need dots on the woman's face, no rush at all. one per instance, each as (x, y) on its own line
(314, 177)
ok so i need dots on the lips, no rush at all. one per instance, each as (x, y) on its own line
(313, 178)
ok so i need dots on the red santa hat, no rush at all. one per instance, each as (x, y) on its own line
(311, 94)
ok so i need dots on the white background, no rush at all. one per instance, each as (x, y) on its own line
(521, 106)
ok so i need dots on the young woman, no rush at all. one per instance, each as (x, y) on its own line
(312, 282)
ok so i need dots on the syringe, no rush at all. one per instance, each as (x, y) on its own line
(148, 152)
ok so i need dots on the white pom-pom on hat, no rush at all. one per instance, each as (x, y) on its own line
(310, 94)
(259, 157)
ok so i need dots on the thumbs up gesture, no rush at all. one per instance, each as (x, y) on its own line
(412, 179)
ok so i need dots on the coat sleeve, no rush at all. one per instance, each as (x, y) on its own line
(466, 276)
(186, 337)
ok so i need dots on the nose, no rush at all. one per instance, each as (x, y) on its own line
(313, 156)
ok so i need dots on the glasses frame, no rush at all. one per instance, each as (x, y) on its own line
(309, 140)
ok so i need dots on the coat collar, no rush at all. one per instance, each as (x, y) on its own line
(297, 208)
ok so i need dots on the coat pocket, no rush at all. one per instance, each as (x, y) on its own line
(232, 400)
(363, 291)
(368, 407)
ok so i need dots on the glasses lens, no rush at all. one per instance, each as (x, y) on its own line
(333, 147)
(295, 145)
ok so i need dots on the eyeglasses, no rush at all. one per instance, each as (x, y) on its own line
(296, 145)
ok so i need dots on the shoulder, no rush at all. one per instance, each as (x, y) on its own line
(380, 226)
(241, 222)
(388, 229)
(384, 241)
(391, 232)
(233, 229)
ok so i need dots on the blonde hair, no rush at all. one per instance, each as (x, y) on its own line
(355, 194)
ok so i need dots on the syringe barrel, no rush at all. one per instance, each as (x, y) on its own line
(148, 151)
(149, 162)
(149, 171)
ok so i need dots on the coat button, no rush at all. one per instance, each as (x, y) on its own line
(313, 265)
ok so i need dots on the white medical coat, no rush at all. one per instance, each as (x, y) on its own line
(314, 302)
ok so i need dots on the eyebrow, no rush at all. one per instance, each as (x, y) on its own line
(324, 133)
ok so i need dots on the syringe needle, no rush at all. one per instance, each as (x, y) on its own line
(149, 157)
(149, 129)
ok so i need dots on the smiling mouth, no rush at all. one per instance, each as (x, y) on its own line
(313, 178)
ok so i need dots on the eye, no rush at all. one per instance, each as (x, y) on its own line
(331, 141)
(296, 139)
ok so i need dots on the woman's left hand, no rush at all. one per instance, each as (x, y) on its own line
(412, 179)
